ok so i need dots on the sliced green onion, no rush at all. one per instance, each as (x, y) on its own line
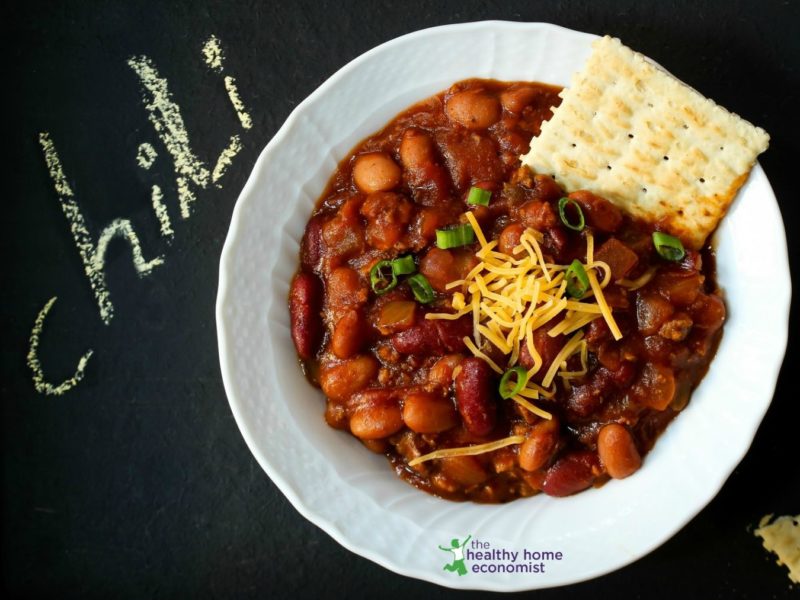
(479, 196)
(455, 236)
(521, 378)
(382, 277)
(668, 246)
(421, 287)
(577, 280)
(562, 212)
(403, 265)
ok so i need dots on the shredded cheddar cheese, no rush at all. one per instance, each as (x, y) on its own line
(512, 296)
(468, 450)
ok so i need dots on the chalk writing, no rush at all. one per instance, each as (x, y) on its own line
(165, 116)
(162, 215)
(146, 155)
(212, 53)
(39, 381)
(238, 105)
(226, 158)
(93, 257)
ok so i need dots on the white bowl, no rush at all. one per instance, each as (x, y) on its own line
(353, 494)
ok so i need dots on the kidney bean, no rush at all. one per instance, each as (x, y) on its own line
(542, 442)
(474, 396)
(473, 109)
(556, 243)
(599, 212)
(597, 331)
(349, 334)
(342, 380)
(586, 399)
(375, 172)
(424, 412)
(305, 304)
(433, 337)
(617, 451)
(452, 333)
(571, 473)
(547, 347)
(311, 246)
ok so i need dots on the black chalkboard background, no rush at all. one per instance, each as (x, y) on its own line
(137, 482)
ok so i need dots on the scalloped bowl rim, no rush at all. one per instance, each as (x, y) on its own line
(233, 300)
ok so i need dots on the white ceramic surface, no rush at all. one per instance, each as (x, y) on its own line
(353, 494)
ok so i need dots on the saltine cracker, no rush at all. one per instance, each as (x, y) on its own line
(629, 131)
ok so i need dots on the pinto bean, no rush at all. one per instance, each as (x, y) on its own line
(342, 380)
(305, 304)
(343, 234)
(571, 473)
(348, 334)
(537, 450)
(443, 266)
(427, 178)
(376, 421)
(517, 97)
(441, 372)
(466, 470)
(416, 149)
(546, 189)
(375, 172)
(474, 396)
(387, 215)
(538, 215)
(617, 451)
(424, 412)
(599, 212)
(345, 289)
(509, 238)
(473, 109)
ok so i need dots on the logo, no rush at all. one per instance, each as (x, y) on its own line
(457, 566)
(485, 558)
